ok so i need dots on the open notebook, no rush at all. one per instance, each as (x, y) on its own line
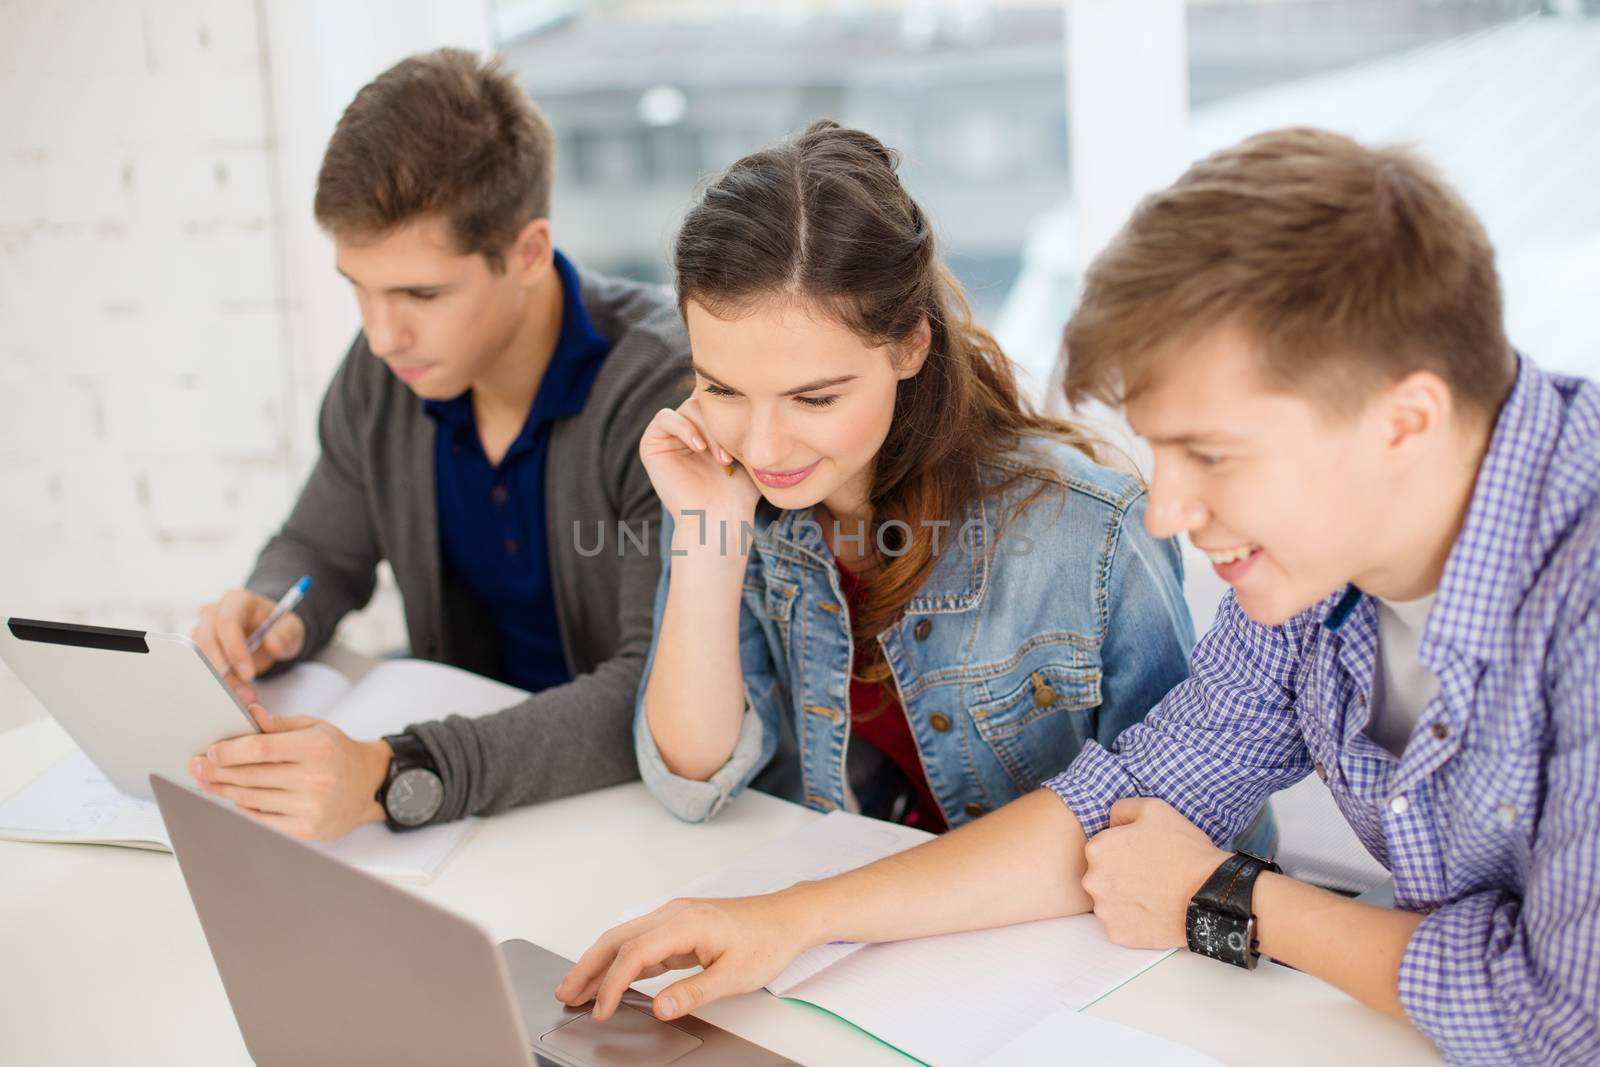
(73, 801)
(1009, 995)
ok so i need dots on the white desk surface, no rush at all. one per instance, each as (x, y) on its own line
(102, 959)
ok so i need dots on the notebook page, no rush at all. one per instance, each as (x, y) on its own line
(73, 801)
(399, 692)
(390, 697)
(1008, 978)
(1068, 1036)
(414, 856)
(835, 843)
(304, 689)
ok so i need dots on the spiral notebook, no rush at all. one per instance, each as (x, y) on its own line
(73, 802)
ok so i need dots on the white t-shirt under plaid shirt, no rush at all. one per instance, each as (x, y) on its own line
(1402, 685)
(1490, 820)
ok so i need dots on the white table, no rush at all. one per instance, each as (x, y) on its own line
(102, 959)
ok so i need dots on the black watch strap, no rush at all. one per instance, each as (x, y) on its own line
(412, 791)
(1220, 921)
(1231, 886)
(409, 751)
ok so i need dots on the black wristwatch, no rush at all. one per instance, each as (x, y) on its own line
(1220, 923)
(413, 792)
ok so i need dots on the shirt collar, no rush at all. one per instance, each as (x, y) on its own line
(574, 364)
(579, 352)
(1340, 609)
(453, 414)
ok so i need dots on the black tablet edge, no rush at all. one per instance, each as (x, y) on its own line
(66, 633)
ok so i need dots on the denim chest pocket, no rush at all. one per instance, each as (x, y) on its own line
(1041, 721)
(776, 602)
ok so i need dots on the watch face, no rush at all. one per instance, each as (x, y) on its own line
(414, 796)
(1224, 937)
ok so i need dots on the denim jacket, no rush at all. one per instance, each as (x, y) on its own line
(1035, 632)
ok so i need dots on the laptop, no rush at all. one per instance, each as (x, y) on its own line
(324, 963)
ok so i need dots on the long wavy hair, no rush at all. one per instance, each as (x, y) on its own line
(824, 220)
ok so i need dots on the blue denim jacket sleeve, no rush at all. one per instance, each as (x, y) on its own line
(691, 799)
(1149, 633)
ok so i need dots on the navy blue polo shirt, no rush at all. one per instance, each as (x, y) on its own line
(492, 517)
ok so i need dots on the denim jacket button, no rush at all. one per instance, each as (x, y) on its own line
(939, 721)
(923, 628)
(1044, 696)
(974, 809)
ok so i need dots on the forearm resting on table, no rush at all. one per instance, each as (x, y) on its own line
(1019, 863)
(1353, 946)
(694, 700)
(1025, 862)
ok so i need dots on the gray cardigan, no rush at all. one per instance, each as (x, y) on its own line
(371, 497)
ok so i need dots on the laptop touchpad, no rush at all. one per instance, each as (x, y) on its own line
(630, 1038)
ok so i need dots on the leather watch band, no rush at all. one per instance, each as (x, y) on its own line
(1229, 889)
(1220, 922)
(409, 751)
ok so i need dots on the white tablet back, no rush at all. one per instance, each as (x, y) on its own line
(137, 703)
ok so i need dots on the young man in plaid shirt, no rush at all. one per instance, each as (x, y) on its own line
(1308, 332)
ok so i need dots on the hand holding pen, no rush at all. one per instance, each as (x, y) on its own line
(244, 633)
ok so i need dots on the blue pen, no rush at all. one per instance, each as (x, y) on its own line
(290, 601)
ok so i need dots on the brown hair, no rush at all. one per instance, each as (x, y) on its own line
(1349, 267)
(446, 134)
(824, 219)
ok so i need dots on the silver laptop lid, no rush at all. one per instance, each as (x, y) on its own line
(323, 963)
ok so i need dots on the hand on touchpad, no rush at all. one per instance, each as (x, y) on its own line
(630, 1038)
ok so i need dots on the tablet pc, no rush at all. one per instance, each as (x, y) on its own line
(137, 703)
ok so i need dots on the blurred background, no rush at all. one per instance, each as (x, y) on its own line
(169, 314)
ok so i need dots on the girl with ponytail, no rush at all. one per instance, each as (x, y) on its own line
(888, 585)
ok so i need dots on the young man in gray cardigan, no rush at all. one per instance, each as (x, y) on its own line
(482, 436)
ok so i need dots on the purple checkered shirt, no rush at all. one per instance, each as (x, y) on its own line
(1490, 820)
